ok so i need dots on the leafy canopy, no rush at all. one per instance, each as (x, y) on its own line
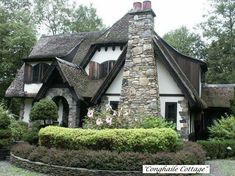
(187, 43)
(60, 16)
(219, 30)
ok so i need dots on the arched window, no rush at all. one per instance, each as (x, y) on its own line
(99, 71)
(39, 71)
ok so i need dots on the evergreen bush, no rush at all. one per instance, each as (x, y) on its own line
(45, 110)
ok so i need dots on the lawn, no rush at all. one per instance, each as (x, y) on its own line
(9, 170)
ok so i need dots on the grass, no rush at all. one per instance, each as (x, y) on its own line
(9, 170)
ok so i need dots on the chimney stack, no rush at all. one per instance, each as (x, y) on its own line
(147, 5)
(140, 92)
(137, 6)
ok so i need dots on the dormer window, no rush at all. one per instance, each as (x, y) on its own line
(99, 71)
(35, 73)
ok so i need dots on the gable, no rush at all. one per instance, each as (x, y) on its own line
(167, 84)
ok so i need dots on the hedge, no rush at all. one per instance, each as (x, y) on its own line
(218, 149)
(136, 140)
(191, 153)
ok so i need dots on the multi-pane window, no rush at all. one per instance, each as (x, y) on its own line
(171, 111)
(35, 74)
(99, 71)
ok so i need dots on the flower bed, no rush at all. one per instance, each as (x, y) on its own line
(191, 153)
(135, 140)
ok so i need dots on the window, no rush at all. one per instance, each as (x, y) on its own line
(39, 71)
(171, 111)
(99, 71)
(114, 105)
(34, 74)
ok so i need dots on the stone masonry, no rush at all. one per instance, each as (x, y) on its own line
(140, 92)
(64, 92)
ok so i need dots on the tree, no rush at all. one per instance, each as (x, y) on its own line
(219, 30)
(17, 36)
(187, 43)
(45, 109)
(59, 16)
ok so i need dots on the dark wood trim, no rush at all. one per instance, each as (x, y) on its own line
(112, 94)
(172, 95)
(111, 76)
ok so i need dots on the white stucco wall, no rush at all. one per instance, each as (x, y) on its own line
(103, 56)
(116, 86)
(27, 109)
(32, 88)
(167, 84)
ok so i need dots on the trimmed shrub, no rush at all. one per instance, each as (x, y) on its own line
(136, 140)
(22, 149)
(192, 153)
(216, 149)
(223, 128)
(5, 131)
(44, 110)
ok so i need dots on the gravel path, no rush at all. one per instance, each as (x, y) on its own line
(6, 169)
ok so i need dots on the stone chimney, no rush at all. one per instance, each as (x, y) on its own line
(140, 92)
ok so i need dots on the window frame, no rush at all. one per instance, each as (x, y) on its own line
(173, 119)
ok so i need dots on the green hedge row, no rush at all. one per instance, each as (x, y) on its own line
(216, 149)
(136, 140)
(191, 153)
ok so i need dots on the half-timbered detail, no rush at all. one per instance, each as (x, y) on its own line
(128, 66)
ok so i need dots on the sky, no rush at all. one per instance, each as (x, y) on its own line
(170, 14)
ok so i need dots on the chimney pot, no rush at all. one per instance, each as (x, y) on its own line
(147, 5)
(137, 6)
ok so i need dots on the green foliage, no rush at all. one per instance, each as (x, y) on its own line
(45, 109)
(18, 129)
(219, 149)
(219, 30)
(223, 128)
(187, 43)
(137, 140)
(58, 16)
(17, 36)
(100, 118)
(192, 153)
(156, 122)
(5, 131)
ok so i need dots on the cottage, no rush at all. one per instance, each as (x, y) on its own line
(127, 66)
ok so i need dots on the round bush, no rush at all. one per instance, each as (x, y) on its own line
(45, 109)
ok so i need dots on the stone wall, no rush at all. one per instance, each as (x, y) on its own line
(140, 92)
(73, 114)
(65, 171)
(184, 113)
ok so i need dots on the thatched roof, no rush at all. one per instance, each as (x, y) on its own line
(218, 95)
(16, 88)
